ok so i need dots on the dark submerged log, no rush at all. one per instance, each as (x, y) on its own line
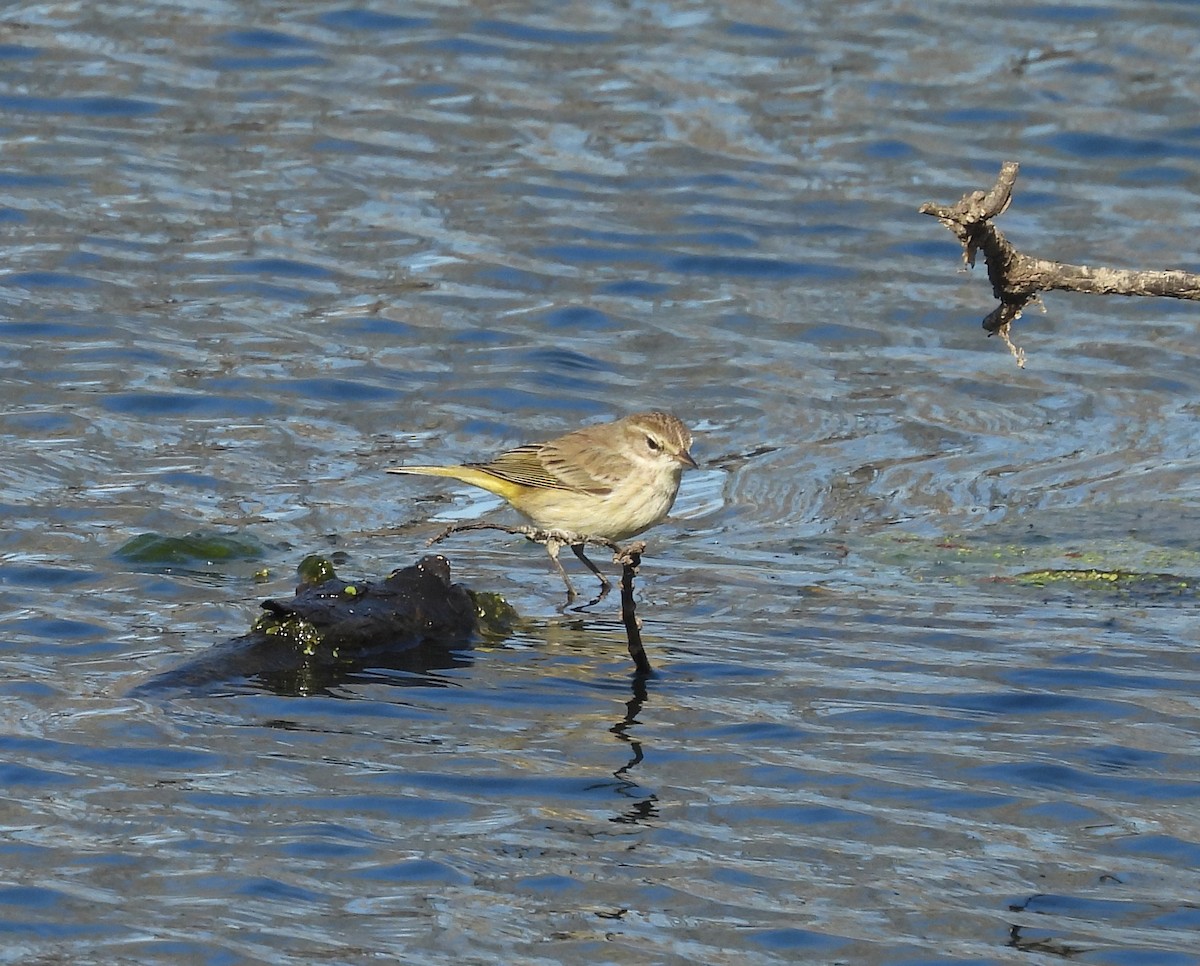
(416, 620)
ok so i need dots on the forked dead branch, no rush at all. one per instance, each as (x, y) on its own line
(1018, 279)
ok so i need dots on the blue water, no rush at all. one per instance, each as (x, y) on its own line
(256, 254)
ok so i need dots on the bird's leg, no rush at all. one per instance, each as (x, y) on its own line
(553, 541)
(605, 586)
(576, 541)
(553, 546)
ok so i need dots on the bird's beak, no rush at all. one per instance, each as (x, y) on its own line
(686, 459)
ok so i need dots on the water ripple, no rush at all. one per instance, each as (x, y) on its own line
(256, 255)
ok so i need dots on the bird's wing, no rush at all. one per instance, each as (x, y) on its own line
(577, 461)
(585, 460)
(524, 467)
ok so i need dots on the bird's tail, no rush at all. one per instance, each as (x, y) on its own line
(465, 474)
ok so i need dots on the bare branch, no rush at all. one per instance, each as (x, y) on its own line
(1018, 279)
(630, 559)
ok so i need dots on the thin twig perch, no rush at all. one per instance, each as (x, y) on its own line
(1018, 279)
(630, 558)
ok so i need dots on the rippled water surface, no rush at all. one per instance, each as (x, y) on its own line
(255, 253)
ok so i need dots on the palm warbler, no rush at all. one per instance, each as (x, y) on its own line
(610, 481)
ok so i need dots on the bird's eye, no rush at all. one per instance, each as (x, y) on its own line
(654, 444)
